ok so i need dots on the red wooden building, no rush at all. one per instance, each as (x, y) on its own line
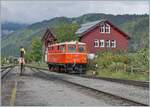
(102, 35)
(48, 38)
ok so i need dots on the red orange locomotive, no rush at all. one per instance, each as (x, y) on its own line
(70, 57)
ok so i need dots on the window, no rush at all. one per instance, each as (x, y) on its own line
(105, 28)
(96, 43)
(102, 43)
(81, 48)
(108, 43)
(113, 43)
(51, 48)
(71, 48)
(48, 43)
(102, 29)
(62, 48)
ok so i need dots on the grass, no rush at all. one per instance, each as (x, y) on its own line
(122, 75)
(121, 65)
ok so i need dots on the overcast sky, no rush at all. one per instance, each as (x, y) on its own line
(34, 11)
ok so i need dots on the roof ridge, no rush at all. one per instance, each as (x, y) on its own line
(93, 22)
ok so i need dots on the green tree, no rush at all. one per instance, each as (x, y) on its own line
(66, 32)
(36, 49)
(34, 52)
(28, 57)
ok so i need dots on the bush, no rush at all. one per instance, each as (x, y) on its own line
(122, 61)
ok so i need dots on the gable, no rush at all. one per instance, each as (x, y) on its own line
(48, 34)
(85, 28)
(119, 30)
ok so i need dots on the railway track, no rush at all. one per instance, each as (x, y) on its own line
(109, 94)
(97, 91)
(128, 82)
(5, 70)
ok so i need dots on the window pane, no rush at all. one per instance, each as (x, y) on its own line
(108, 43)
(81, 48)
(96, 43)
(71, 48)
(102, 28)
(102, 43)
(62, 48)
(113, 43)
(107, 28)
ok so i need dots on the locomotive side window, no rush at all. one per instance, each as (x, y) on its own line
(81, 48)
(62, 48)
(71, 48)
(50, 48)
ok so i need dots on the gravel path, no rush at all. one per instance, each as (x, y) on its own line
(34, 90)
(135, 93)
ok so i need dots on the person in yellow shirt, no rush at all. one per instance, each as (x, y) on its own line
(22, 52)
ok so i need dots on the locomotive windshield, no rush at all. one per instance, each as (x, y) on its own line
(62, 48)
(81, 48)
(71, 48)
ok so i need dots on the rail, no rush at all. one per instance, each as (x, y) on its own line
(131, 82)
(3, 74)
(5, 67)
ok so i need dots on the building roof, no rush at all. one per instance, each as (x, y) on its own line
(89, 26)
(47, 32)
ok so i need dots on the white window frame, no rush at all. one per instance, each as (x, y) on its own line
(108, 43)
(107, 28)
(96, 43)
(102, 42)
(102, 29)
(113, 44)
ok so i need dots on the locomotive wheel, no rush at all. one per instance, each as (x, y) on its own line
(57, 68)
(50, 67)
(53, 68)
(78, 68)
(75, 69)
(69, 68)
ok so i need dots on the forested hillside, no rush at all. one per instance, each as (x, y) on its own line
(135, 25)
(9, 27)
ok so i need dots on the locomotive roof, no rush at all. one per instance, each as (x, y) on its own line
(71, 42)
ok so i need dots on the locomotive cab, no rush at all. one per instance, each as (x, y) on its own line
(76, 58)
